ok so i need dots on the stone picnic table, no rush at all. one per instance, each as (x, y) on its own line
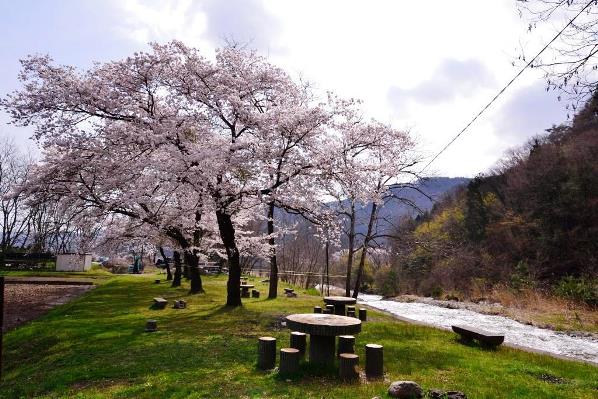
(323, 329)
(245, 289)
(339, 303)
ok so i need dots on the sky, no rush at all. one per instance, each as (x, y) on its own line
(427, 67)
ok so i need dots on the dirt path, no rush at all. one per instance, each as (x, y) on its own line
(25, 302)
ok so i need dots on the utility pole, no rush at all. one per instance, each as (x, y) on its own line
(327, 273)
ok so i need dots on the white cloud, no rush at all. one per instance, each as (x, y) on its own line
(426, 65)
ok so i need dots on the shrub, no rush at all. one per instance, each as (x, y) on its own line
(583, 289)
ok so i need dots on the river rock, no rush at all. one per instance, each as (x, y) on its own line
(439, 394)
(405, 390)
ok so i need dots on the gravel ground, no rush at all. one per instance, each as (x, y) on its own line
(25, 302)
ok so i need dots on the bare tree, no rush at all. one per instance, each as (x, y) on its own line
(569, 63)
(16, 216)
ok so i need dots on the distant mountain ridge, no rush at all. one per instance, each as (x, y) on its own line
(390, 213)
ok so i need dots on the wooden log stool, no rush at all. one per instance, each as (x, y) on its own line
(349, 308)
(317, 309)
(266, 353)
(179, 304)
(374, 361)
(329, 309)
(363, 314)
(351, 313)
(151, 326)
(289, 361)
(299, 342)
(347, 367)
(255, 294)
(346, 344)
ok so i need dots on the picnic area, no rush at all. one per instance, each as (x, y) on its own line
(96, 347)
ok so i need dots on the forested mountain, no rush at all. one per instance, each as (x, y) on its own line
(533, 221)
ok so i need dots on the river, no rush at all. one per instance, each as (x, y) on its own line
(540, 339)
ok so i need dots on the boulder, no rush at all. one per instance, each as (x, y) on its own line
(405, 390)
(439, 394)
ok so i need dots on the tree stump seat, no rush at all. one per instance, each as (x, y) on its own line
(151, 326)
(363, 314)
(160, 303)
(289, 361)
(347, 367)
(299, 342)
(483, 337)
(346, 344)
(266, 349)
(374, 361)
(180, 304)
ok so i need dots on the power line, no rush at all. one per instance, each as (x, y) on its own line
(506, 87)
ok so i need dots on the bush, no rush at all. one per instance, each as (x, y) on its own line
(386, 281)
(582, 289)
(520, 277)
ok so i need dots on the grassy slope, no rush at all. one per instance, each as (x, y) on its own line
(95, 347)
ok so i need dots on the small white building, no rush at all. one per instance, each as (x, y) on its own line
(73, 262)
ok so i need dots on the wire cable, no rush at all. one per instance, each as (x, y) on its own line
(506, 87)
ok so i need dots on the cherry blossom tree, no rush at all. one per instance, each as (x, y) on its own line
(184, 144)
(368, 157)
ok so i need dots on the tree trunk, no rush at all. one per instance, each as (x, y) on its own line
(327, 267)
(351, 245)
(366, 242)
(166, 264)
(176, 281)
(273, 288)
(186, 270)
(192, 263)
(227, 234)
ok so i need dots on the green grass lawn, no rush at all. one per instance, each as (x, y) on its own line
(96, 347)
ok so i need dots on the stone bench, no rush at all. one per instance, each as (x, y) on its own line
(484, 337)
(160, 303)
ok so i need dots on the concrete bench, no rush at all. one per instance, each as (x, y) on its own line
(160, 303)
(484, 337)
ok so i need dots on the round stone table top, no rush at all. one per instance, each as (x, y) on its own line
(247, 285)
(323, 324)
(339, 300)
